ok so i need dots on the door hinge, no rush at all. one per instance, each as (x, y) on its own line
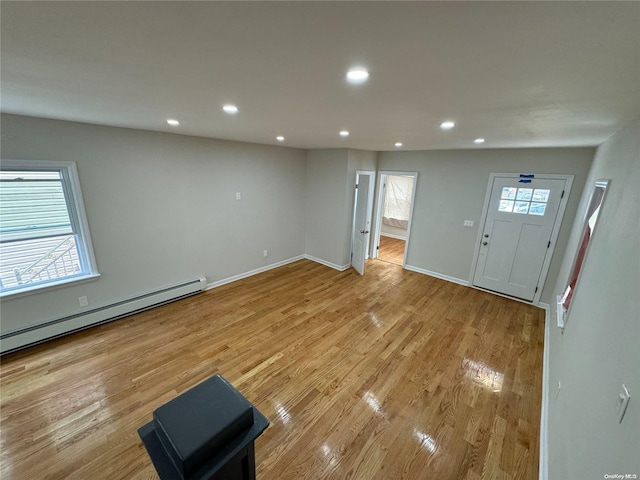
(384, 185)
(562, 195)
(356, 185)
(378, 247)
(549, 244)
(536, 290)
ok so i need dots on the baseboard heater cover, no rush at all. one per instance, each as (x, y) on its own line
(28, 336)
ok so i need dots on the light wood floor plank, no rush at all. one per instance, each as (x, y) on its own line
(388, 376)
(391, 250)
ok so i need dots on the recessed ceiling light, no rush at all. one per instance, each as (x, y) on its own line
(280, 138)
(398, 144)
(344, 133)
(448, 125)
(173, 122)
(479, 140)
(230, 109)
(357, 75)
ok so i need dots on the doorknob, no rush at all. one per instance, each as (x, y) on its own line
(486, 235)
(485, 243)
(364, 232)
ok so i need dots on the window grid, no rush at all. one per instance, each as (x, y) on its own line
(531, 201)
(44, 238)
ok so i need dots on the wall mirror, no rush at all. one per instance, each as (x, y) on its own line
(589, 225)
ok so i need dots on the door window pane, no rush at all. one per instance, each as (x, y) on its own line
(537, 208)
(521, 207)
(505, 206)
(509, 193)
(541, 195)
(524, 194)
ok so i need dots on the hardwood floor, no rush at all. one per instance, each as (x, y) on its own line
(388, 376)
(391, 250)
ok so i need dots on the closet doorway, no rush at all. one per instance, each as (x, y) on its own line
(396, 193)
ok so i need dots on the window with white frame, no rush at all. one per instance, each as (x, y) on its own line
(44, 236)
(524, 200)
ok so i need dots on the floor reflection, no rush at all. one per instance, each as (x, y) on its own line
(425, 440)
(375, 321)
(481, 374)
(284, 415)
(329, 455)
(373, 403)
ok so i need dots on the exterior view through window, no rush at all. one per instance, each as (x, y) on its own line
(44, 239)
(524, 200)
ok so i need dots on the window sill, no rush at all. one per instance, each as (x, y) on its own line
(48, 286)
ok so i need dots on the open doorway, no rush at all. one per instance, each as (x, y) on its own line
(393, 218)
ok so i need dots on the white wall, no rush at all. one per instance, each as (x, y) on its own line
(162, 208)
(394, 232)
(330, 184)
(599, 350)
(451, 188)
(326, 200)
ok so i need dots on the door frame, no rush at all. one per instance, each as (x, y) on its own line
(554, 232)
(380, 203)
(371, 174)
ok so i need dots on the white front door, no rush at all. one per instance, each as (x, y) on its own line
(516, 235)
(361, 222)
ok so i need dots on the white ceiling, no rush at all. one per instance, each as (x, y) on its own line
(520, 74)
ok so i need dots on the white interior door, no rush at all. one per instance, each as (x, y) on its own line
(361, 222)
(516, 236)
(381, 198)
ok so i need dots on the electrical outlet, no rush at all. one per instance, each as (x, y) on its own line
(265, 252)
(83, 301)
(238, 196)
(468, 223)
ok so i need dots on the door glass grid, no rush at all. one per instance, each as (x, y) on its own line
(532, 201)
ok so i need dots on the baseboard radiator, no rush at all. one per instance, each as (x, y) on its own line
(28, 336)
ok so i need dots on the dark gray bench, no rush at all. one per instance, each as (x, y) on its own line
(206, 433)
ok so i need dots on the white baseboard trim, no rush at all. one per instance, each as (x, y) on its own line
(441, 276)
(543, 468)
(250, 273)
(328, 264)
(392, 235)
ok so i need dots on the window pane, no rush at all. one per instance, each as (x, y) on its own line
(521, 207)
(31, 262)
(541, 195)
(32, 207)
(43, 230)
(524, 194)
(537, 208)
(505, 206)
(508, 193)
(28, 175)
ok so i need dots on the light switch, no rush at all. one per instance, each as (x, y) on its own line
(238, 196)
(468, 223)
